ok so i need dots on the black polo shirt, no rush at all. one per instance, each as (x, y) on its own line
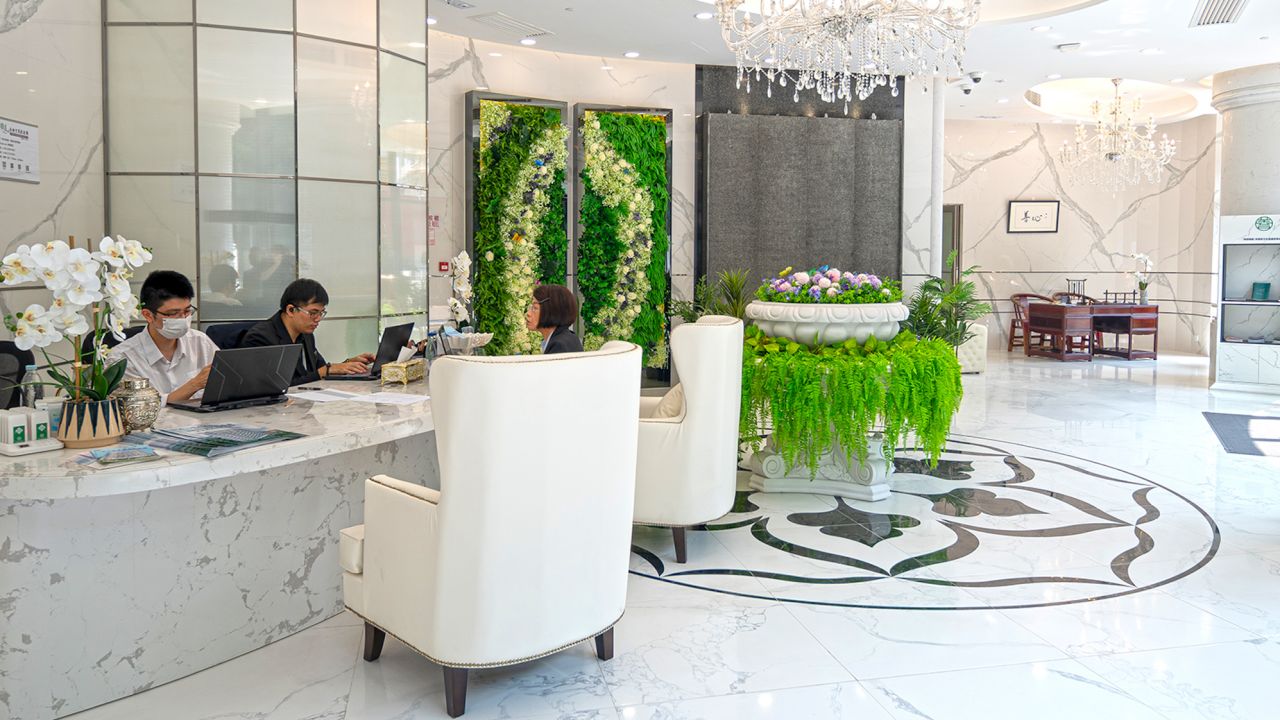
(272, 332)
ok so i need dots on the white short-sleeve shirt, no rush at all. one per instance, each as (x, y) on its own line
(194, 353)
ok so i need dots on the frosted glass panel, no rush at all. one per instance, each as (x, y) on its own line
(338, 243)
(160, 213)
(149, 11)
(351, 20)
(246, 102)
(247, 225)
(266, 14)
(403, 25)
(339, 339)
(404, 122)
(337, 110)
(404, 250)
(151, 99)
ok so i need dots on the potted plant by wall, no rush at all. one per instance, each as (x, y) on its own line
(80, 281)
(824, 306)
(728, 295)
(945, 310)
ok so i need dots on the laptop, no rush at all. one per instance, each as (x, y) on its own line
(394, 338)
(246, 377)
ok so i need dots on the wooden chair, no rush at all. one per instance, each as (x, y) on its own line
(1070, 298)
(1018, 323)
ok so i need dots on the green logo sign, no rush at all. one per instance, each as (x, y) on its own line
(1264, 223)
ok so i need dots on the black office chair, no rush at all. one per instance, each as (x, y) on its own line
(108, 340)
(13, 368)
(227, 336)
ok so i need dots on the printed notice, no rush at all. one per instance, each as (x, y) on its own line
(19, 151)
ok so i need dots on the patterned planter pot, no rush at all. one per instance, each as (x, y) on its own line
(821, 324)
(91, 424)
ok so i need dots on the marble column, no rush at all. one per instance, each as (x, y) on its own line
(1249, 100)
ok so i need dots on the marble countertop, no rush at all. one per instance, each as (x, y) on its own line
(330, 428)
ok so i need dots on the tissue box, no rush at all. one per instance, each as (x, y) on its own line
(404, 372)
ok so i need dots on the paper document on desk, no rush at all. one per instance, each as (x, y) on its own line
(213, 440)
(382, 398)
(326, 396)
(390, 398)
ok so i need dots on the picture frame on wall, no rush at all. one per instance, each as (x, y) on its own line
(1033, 216)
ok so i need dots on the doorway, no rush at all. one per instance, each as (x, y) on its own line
(952, 241)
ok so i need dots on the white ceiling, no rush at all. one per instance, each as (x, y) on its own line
(1014, 57)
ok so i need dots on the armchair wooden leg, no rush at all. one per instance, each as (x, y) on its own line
(455, 691)
(604, 645)
(682, 549)
(373, 639)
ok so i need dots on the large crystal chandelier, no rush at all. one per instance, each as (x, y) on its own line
(843, 47)
(1120, 152)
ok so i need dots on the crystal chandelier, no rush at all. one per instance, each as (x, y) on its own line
(843, 47)
(1119, 153)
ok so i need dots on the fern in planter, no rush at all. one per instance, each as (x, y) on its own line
(946, 311)
(815, 396)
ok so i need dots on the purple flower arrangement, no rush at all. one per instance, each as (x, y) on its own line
(829, 285)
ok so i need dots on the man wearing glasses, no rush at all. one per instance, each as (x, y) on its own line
(302, 307)
(170, 354)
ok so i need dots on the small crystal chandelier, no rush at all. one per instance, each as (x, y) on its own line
(1119, 153)
(843, 47)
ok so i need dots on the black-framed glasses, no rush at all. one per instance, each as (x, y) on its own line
(314, 314)
(186, 312)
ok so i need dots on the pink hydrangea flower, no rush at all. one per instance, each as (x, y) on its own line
(833, 275)
(824, 283)
(784, 286)
(832, 292)
(862, 278)
(801, 278)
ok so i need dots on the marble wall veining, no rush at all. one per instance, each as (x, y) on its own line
(51, 77)
(990, 163)
(457, 65)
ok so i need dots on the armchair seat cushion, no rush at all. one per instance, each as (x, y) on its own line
(671, 405)
(351, 549)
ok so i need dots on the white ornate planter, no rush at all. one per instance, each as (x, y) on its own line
(815, 323)
(867, 481)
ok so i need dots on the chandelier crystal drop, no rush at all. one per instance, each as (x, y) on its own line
(844, 48)
(1119, 153)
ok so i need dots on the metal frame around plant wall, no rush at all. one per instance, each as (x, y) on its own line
(579, 162)
(377, 182)
(471, 148)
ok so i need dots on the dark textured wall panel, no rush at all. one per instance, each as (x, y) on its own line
(801, 191)
(718, 92)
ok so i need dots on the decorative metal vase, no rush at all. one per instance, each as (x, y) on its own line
(91, 423)
(141, 402)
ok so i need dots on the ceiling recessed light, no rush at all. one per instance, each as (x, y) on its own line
(1149, 51)
(495, 54)
(417, 44)
(631, 54)
(19, 72)
(1042, 28)
(431, 20)
(482, 87)
(704, 15)
(1054, 76)
(528, 41)
(31, 89)
(1178, 80)
(1002, 101)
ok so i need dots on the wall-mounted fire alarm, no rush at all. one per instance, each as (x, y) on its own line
(444, 266)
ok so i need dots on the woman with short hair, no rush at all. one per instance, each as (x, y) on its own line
(552, 313)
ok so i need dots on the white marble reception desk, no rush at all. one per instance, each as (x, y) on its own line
(114, 581)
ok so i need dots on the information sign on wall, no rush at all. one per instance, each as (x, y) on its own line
(19, 151)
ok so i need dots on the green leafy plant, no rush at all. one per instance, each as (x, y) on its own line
(813, 397)
(944, 310)
(622, 251)
(728, 295)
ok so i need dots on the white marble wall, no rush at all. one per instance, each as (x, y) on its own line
(57, 45)
(919, 134)
(457, 65)
(990, 163)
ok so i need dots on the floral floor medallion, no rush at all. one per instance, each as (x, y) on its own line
(995, 525)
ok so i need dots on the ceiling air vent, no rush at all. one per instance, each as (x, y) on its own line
(1217, 12)
(507, 24)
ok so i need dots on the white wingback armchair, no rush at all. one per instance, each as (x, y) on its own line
(524, 550)
(687, 469)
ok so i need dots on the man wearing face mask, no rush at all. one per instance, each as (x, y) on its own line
(171, 355)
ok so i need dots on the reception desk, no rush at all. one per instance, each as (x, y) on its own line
(114, 581)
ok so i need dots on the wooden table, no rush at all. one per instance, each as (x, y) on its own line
(1128, 320)
(1068, 327)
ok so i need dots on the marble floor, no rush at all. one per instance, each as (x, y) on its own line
(1086, 547)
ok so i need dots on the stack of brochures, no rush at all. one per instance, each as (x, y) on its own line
(117, 456)
(213, 440)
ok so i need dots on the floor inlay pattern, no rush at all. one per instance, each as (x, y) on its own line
(995, 525)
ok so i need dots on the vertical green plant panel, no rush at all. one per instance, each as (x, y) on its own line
(520, 239)
(622, 252)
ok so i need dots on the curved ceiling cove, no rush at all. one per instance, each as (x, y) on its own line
(1074, 98)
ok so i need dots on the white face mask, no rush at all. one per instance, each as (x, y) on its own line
(174, 328)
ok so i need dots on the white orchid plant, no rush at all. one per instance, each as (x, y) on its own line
(79, 279)
(460, 301)
(1143, 273)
